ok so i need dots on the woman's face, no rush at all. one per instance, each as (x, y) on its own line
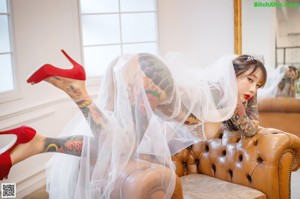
(248, 84)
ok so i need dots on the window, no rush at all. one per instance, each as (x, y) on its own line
(6, 66)
(113, 27)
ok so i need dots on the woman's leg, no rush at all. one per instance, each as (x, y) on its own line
(157, 83)
(160, 89)
(149, 76)
(77, 91)
(71, 145)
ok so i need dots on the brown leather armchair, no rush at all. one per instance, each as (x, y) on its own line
(228, 166)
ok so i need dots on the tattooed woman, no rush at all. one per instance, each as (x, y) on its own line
(148, 109)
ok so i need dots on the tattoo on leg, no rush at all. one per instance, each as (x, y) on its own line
(83, 105)
(97, 120)
(68, 145)
(159, 86)
(158, 76)
(158, 83)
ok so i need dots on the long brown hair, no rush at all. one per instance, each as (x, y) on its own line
(241, 64)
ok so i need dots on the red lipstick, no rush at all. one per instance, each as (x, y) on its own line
(246, 97)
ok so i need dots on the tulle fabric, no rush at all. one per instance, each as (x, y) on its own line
(209, 93)
(270, 88)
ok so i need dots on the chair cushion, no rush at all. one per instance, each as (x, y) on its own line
(203, 186)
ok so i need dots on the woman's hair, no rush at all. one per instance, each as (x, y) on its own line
(243, 63)
(296, 71)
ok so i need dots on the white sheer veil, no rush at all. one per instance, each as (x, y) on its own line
(209, 93)
(274, 77)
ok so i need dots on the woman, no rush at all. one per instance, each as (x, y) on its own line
(280, 83)
(286, 87)
(147, 110)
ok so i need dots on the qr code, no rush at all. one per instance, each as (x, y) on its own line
(8, 190)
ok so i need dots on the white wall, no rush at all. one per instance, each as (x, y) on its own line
(288, 34)
(258, 31)
(201, 29)
(288, 22)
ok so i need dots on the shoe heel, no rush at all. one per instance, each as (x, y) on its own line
(48, 70)
(78, 69)
(74, 63)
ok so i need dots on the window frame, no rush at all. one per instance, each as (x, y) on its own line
(93, 79)
(15, 93)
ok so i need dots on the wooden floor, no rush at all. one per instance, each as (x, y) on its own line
(42, 194)
(38, 194)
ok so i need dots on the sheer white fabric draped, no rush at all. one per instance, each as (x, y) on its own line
(209, 93)
(274, 77)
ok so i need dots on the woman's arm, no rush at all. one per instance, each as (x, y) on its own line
(246, 117)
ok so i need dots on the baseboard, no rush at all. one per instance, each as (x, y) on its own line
(31, 184)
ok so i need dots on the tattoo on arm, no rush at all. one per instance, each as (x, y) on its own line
(247, 118)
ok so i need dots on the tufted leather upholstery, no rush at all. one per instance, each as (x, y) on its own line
(263, 162)
(280, 113)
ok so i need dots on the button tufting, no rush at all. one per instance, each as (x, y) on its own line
(249, 178)
(224, 153)
(206, 148)
(214, 168)
(241, 157)
(255, 142)
(259, 160)
(230, 173)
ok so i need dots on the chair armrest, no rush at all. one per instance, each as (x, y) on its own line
(141, 179)
(263, 162)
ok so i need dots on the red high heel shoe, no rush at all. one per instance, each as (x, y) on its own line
(48, 70)
(24, 134)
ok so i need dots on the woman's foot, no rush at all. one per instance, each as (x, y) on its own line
(26, 150)
(71, 81)
(27, 143)
(74, 88)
